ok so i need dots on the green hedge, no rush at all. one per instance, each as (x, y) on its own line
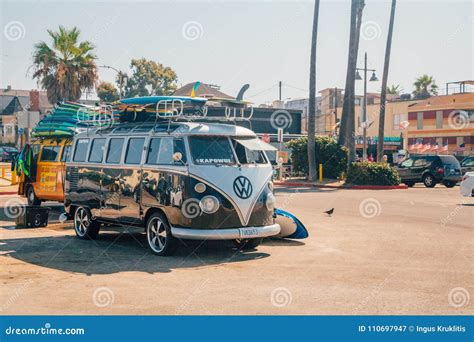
(366, 173)
(328, 152)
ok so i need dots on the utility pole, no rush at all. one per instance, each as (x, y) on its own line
(121, 76)
(364, 147)
(335, 106)
(279, 86)
(364, 106)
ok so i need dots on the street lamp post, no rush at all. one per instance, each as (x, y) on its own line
(373, 78)
(121, 77)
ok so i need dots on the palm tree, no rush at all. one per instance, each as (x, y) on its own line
(347, 128)
(67, 67)
(312, 97)
(394, 89)
(383, 93)
(425, 86)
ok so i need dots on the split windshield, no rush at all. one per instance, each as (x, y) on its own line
(215, 150)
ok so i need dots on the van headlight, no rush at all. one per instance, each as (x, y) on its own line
(209, 204)
(270, 202)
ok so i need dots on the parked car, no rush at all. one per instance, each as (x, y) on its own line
(467, 184)
(7, 153)
(430, 170)
(467, 165)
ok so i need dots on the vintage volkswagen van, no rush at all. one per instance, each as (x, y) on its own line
(44, 176)
(179, 180)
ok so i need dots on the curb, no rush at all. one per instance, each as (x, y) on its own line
(344, 187)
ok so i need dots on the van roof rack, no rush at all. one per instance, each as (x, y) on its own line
(100, 118)
(178, 109)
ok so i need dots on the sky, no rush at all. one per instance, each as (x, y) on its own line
(230, 43)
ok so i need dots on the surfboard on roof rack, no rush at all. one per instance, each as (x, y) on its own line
(158, 108)
(69, 118)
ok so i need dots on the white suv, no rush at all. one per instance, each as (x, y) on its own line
(467, 184)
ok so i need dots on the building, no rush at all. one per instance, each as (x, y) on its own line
(303, 106)
(443, 121)
(20, 111)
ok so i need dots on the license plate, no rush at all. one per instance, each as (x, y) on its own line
(248, 232)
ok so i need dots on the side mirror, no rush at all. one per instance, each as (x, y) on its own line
(177, 156)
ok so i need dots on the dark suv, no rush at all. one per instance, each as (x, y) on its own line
(430, 170)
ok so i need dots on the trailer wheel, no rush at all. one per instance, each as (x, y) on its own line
(31, 196)
(246, 244)
(159, 237)
(86, 228)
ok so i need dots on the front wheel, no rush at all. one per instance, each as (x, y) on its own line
(449, 184)
(159, 237)
(246, 244)
(31, 196)
(429, 181)
(86, 228)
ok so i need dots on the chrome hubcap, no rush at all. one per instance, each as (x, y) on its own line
(81, 221)
(428, 180)
(157, 235)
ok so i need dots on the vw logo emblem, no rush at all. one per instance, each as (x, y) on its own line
(242, 187)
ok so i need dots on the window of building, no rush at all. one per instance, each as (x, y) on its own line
(97, 151)
(419, 120)
(459, 141)
(50, 153)
(397, 120)
(439, 119)
(114, 152)
(134, 151)
(80, 152)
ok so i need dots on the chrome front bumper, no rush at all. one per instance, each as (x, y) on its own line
(226, 234)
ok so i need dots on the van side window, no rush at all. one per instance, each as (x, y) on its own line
(178, 146)
(97, 150)
(66, 152)
(160, 151)
(114, 152)
(81, 150)
(134, 151)
(50, 153)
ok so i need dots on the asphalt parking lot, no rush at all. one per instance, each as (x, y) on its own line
(382, 252)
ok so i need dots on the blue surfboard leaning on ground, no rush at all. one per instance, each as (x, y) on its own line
(291, 227)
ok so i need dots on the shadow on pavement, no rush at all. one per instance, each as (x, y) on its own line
(275, 242)
(119, 252)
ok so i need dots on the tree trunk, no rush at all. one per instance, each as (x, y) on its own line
(312, 98)
(347, 127)
(383, 93)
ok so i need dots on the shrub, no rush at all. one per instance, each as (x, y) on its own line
(366, 173)
(328, 152)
